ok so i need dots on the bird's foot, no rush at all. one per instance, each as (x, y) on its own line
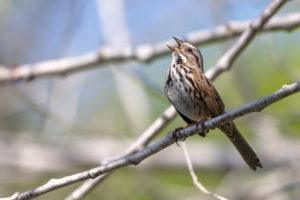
(204, 132)
(175, 135)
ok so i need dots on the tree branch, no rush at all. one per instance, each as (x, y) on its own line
(87, 186)
(226, 61)
(249, 30)
(93, 60)
(139, 144)
(196, 182)
(142, 53)
(168, 140)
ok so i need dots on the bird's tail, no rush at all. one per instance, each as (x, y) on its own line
(241, 144)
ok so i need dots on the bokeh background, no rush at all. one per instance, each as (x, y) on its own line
(56, 126)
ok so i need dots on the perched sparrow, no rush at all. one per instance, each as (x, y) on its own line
(195, 98)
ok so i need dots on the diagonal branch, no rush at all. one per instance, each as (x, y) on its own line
(163, 143)
(142, 53)
(142, 141)
(51, 185)
(226, 61)
(87, 186)
(249, 30)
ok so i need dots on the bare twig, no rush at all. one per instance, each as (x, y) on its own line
(93, 59)
(139, 144)
(163, 143)
(140, 53)
(152, 130)
(226, 61)
(196, 182)
(249, 30)
(21, 153)
(87, 186)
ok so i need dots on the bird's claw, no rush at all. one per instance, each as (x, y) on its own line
(176, 137)
(204, 132)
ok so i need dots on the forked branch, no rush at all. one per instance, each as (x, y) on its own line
(163, 143)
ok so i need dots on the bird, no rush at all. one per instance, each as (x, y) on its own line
(196, 99)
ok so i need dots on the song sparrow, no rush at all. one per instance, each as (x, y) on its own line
(195, 98)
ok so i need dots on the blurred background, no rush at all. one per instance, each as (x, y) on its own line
(55, 126)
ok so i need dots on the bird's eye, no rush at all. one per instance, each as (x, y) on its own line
(190, 50)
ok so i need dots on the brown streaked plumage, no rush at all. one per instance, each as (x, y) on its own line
(195, 98)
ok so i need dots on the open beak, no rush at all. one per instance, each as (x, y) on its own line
(178, 41)
(171, 48)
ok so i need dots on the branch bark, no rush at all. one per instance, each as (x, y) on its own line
(223, 64)
(136, 158)
(147, 54)
(226, 61)
(142, 141)
(142, 53)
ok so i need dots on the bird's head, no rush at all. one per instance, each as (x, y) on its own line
(187, 54)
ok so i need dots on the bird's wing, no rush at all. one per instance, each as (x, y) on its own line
(185, 118)
(210, 96)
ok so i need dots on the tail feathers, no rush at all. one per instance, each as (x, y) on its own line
(241, 145)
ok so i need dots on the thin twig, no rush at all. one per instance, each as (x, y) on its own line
(249, 30)
(142, 53)
(226, 61)
(87, 186)
(90, 58)
(196, 182)
(139, 144)
(136, 158)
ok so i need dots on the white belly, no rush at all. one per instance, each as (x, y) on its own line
(190, 106)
